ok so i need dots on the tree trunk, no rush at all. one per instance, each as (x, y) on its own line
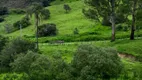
(36, 33)
(113, 20)
(133, 20)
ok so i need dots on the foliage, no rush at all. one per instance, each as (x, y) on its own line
(91, 63)
(40, 67)
(8, 28)
(13, 76)
(134, 8)
(59, 69)
(46, 3)
(47, 30)
(13, 48)
(17, 11)
(76, 31)
(122, 27)
(1, 19)
(45, 14)
(119, 27)
(67, 8)
(3, 41)
(106, 21)
(25, 22)
(102, 9)
(3, 10)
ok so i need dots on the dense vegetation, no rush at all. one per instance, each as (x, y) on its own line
(70, 40)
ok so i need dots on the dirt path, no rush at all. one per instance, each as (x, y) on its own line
(127, 56)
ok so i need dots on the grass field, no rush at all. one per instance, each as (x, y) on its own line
(67, 49)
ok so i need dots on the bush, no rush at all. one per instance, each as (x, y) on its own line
(67, 8)
(3, 41)
(126, 28)
(8, 28)
(13, 48)
(46, 14)
(1, 19)
(47, 30)
(3, 10)
(90, 13)
(25, 22)
(39, 67)
(93, 63)
(121, 27)
(76, 31)
(17, 11)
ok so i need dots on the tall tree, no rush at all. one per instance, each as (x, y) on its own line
(113, 19)
(37, 10)
(105, 9)
(134, 8)
(135, 5)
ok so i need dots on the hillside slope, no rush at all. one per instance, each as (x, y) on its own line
(66, 23)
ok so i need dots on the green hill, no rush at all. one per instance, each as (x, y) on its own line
(66, 23)
(89, 30)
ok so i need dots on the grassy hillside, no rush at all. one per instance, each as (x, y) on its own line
(66, 23)
(89, 30)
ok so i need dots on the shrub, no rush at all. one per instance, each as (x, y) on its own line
(67, 8)
(25, 22)
(93, 63)
(46, 14)
(126, 28)
(90, 13)
(39, 67)
(8, 28)
(47, 30)
(76, 31)
(3, 10)
(3, 41)
(13, 48)
(119, 27)
(138, 25)
(1, 19)
(17, 11)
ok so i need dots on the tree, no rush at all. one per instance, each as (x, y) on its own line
(47, 30)
(39, 67)
(37, 10)
(93, 63)
(23, 63)
(10, 51)
(105, 9)
(134, 6)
